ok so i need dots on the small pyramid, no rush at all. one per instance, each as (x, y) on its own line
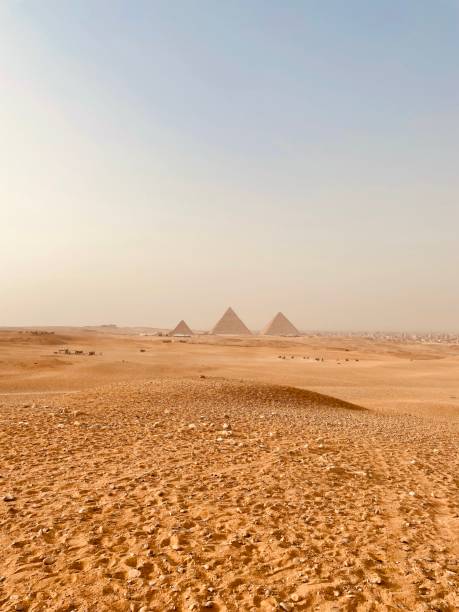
(182, 329)
(280, 326)
(231, 324)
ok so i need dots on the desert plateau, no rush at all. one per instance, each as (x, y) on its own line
(227, 473)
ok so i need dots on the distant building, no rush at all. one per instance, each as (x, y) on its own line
(231, 325)
(181, 329)
(280, 326)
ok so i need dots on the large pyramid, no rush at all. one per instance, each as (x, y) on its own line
(182, 329)
(231, 324)
(280, 326)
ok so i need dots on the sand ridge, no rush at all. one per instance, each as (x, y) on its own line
(218, 494)
(227, 473)
(387, 376)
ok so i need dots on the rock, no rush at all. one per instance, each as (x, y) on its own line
(131, 560)
(9, 497)
(48, 560)
(375, 579)
(133, 573)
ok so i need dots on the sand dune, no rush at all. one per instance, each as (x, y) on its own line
(203, 491)
(412, 378)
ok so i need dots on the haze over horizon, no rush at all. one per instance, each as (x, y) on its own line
(163, 160)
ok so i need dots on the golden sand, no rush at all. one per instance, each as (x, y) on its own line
(199, 475)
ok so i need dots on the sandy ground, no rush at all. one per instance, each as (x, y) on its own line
(203, 475)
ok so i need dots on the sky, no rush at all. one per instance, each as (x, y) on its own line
(164, 160)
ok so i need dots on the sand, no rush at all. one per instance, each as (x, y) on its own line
(202, 474)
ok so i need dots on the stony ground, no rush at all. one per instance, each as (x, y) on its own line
(210, 494)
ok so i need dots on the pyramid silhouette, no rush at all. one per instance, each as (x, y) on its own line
(182, 329)
(280, 326)
(231, 324)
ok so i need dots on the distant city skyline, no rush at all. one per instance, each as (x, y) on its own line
(162, 161)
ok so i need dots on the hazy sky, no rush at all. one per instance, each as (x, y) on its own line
(162, 160)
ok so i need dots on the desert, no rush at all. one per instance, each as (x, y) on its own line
(227, 473)
(229, 332)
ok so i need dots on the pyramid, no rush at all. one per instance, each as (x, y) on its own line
(182, 329)
(231, 324)
(280, 326)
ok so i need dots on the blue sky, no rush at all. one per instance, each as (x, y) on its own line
(176, 157)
